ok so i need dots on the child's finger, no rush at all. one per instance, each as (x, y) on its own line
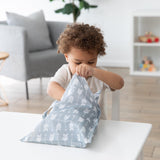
(78, 70)
(83, 71)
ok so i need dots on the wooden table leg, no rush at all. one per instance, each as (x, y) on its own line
(3, 98)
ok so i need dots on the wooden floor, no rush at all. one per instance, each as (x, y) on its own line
(140, 102)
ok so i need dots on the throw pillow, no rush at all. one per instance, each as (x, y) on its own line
(37, 30)
(71, 121)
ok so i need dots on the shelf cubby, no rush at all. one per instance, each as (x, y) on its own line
(145, 21)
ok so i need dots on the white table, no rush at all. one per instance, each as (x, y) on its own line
(115, 140)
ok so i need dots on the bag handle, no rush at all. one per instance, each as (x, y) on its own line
(97, 94)
(46, 112)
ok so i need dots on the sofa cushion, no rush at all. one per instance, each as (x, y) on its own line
(37, 30)
(45, 63)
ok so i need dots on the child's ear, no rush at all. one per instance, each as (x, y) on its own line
(66, 57)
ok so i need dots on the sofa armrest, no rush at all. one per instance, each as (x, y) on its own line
(55, 29)
(13, 39)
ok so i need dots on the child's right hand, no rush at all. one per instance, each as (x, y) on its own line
(85, 70)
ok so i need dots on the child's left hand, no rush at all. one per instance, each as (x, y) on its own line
(85, 70)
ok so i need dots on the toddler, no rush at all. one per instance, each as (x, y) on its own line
(81, 45)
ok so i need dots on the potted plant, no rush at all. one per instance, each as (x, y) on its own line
(74, 7)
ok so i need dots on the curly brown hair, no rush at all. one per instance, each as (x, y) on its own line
(81, 36)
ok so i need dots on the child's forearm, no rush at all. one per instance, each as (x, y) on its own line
(55, 91)
(113, 80)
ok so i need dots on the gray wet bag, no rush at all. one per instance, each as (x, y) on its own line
(71, 121)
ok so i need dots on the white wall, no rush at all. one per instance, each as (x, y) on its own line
(112, 16)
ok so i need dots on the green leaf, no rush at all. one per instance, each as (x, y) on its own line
(53, 0)
(77, 12)
(71, 8)
(68, 8)
(59, 10)
(84, 4)
(93, 6)
(81, 5)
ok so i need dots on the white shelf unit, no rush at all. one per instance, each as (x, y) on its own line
(145, 21)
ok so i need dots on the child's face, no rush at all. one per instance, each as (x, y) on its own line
(77, 56)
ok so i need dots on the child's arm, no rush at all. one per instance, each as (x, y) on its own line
(55, 91)
(113, 80)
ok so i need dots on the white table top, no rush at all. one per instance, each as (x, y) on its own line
(114, 140)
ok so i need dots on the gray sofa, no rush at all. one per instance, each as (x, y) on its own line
(24, 65)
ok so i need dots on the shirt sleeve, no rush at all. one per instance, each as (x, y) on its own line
(106, 86)
(60, 76)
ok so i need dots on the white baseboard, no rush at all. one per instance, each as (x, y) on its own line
(113, 63)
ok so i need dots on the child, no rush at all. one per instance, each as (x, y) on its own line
(81, 45)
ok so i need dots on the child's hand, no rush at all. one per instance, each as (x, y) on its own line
(85, 70)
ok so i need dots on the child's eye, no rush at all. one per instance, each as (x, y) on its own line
(78, 63)
(90, 62)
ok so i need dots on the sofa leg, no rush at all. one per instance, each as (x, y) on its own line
(27, 95)
(40, 79)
